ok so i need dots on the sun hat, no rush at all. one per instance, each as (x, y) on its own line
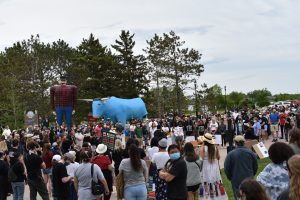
(101, 148)
(208, 138)
(56, 157)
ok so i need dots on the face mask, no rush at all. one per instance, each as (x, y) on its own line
(175, 156)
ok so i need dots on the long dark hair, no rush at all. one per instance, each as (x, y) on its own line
(189, 152)
(134, 156)
(211, 151)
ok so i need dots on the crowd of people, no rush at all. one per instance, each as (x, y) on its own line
(60, 163)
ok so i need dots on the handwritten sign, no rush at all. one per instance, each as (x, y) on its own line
(109, 139)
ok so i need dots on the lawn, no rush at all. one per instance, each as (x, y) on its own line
(261, 165)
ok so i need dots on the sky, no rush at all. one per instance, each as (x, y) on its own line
(245, 44)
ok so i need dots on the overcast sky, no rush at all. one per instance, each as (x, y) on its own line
(246, 44)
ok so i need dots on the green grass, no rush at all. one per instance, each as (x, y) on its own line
(261, 165)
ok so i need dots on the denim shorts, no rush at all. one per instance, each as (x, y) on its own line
(47, 171)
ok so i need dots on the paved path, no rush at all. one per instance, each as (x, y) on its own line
(223, 153)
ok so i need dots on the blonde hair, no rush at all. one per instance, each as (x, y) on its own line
(118, 144)
(294, 168)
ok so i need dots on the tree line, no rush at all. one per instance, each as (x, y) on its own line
(30, 67)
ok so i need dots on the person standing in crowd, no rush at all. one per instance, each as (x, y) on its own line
(153, 147)
(274, 119)
(160, 159)
(60, 179)
(257, 129)
(293, 191)
(188, 126)
(4, 184)
(241, 163)
(145, 134)
(71, 166)
(274, 177)
(47, 159)
(222, 130)
(282, 120)
(117, 155)
(34, 164)
(264, 127)
(213, 126)
(175, 174)
(210, 156)
(200, 128)
(18, 168)
(139, 132)
(83, 177)
(194, 169)
(134, 171)
(152, 127)
(252, 190)
(104, 162)
(287, 127)
(295, 140)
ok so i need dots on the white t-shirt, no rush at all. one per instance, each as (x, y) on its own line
(152, 151)
(160, 159)
(132, 128)
(71, 168)
(79, 139)
(6, 133)
(178, 131)
(213, 126)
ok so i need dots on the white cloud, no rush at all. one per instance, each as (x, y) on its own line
(237, 38)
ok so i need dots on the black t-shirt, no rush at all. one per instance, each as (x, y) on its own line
(60, 189)
(66, 145)
(18, 169)
(176, 189)
(33, 164)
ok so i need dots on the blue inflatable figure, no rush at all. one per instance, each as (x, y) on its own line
(117, 109)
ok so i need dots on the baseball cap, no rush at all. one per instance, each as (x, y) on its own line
(239, 138)
(56, 158)
(163, 143)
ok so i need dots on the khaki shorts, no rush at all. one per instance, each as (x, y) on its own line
(274, 127)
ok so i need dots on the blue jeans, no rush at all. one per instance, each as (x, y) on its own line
(135, 192)
(18, 190)
(60, 112)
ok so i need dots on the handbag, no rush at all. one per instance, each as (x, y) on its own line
(120, 185)
(97, 187)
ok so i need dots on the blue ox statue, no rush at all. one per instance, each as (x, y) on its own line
(117, 109)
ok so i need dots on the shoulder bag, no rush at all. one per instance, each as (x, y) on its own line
(97, 187)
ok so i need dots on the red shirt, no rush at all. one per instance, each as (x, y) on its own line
(63, 96)
(282, 119)
(47, 158)
(102, 161)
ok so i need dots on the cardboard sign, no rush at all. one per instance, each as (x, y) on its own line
(218, 139)
(261, 150)
(189, 139)
(109, 139)
(250, 143)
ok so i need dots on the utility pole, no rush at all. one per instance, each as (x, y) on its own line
(225, 100)
(196, 99)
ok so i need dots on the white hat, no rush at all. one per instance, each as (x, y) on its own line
(28, 135)
(101, 148)
(56, 157)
